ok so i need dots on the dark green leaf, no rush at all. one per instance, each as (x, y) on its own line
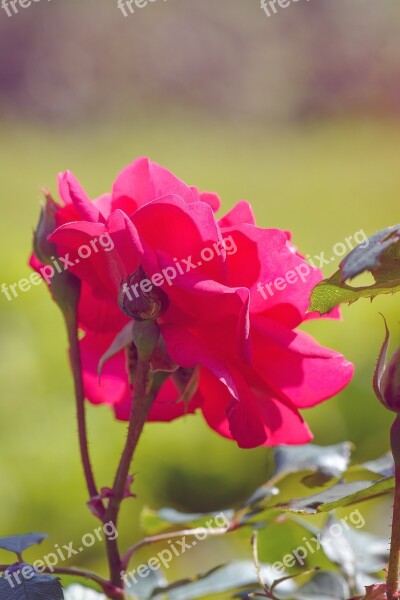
(377, 255)
(32, 586)
(19, 543)
(380, 255)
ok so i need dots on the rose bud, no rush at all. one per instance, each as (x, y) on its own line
(138, 304)
(43, 249)
(390, 383)
(387, 377)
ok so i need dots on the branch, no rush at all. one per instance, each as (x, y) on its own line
(169, 536)
(139, 412)
(76, 365)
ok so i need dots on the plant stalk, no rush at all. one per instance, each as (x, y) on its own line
(139, 412)
(392, 581)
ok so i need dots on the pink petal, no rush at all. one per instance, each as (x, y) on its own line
(296, 366)
(240, 214)
(72, 193)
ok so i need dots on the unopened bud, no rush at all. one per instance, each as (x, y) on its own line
(43, 249)
(138, 304)
(390, 383)
(387, 377)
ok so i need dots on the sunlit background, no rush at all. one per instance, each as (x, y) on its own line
(298, 113)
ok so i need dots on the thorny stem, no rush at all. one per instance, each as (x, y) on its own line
(392, 581)
(75, 358)
(139, 412)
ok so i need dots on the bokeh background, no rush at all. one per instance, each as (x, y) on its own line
(298, 113)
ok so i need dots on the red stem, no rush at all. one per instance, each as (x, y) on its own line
(392, 581)
(140, 408)
(75, 358)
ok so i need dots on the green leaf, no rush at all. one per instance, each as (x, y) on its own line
(32, 586)
(331, 292)
(326, 462)
(19, 543)
(286, 534)
(355, 552)
(342, 494)
(314, 465)
(154, 522)
(380, 255)
(324, 586)
(226, 578)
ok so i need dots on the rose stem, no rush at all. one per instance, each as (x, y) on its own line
(137, 420)
(394, 558)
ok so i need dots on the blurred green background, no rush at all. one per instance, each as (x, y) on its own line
(230, 101)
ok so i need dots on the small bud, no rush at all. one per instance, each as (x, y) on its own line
(140, 305)
(390, 383)
(43, 249)
(387, 377)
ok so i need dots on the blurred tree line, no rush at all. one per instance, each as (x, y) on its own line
(67, 59)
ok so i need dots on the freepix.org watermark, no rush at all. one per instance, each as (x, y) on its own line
(303, 271)
(127, 7)
(179, 268)
(103, 243)
(313, 544)
(12, 7)
(176, 548)
(50, 561)
(271, 7)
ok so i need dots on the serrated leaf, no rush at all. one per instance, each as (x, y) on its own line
(375, 254)
(328, 461)
(331, 292)
(324, 586)
(314, 465)
(342, 494)
(380, 255)
(19, 543)
(36, 587)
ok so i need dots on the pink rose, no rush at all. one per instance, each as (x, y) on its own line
(160, 239)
